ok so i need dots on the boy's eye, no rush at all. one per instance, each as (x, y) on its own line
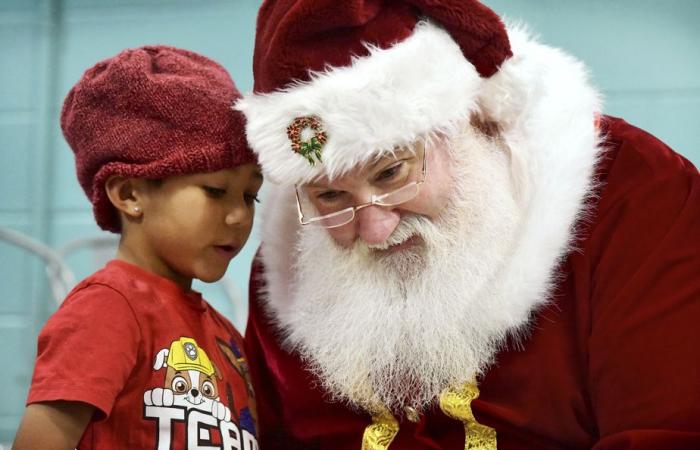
(214, 191)
(251, 198)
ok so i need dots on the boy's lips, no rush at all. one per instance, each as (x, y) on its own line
(227, 251)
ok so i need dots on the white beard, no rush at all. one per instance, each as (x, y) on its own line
(373, 332)
(397, 329)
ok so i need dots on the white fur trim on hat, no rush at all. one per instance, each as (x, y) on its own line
(389, 98)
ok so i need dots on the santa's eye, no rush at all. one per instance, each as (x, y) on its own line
(329, 196)
(208, 389)
(179, 385)
(389, 173)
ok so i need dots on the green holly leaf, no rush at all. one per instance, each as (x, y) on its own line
(310, 150)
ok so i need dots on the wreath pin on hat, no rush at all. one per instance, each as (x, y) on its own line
(308, 147)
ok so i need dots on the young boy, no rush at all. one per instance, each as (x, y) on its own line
(134, 358)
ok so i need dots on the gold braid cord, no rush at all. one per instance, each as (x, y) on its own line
(454, 403)
(457, 405)
(381, 432)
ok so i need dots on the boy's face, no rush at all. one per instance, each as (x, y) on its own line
(193, 225)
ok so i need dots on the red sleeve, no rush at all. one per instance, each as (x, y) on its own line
(268, 408)
(265, 359)
(87, 349)
(644, 356)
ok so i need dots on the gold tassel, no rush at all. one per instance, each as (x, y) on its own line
(381, 432)
(457, 405)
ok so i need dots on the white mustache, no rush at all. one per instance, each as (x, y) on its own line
(408, 227)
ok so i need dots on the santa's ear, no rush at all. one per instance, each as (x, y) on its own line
(161, 360)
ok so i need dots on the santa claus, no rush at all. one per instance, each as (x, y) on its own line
(460, 250)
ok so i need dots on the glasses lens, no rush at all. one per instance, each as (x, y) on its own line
(333, 220)
(327, 218)
(398, 196)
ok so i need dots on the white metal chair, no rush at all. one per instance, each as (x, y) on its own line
(101, 249)
(60, 277)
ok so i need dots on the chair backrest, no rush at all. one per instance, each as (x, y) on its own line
(60, 277)
(100, 248)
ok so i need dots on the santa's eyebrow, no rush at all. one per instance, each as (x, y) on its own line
(320, 185)
(404, 156)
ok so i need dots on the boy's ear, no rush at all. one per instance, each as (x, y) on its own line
(123, 194)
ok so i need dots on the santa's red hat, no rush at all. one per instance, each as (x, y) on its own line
(337, 83)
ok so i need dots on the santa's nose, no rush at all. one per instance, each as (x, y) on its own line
(376, 223)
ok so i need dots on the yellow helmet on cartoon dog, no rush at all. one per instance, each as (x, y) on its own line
(185, 354)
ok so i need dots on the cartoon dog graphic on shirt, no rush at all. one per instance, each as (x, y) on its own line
(189, 380)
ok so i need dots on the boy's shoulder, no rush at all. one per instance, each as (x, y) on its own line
(117, 280)
(113, 276)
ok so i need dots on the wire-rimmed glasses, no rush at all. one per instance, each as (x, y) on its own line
(346, 215)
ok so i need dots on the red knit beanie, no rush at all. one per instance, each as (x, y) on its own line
(338, 82)
(151, 112)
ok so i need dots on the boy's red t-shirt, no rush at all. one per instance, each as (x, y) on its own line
(163, 368)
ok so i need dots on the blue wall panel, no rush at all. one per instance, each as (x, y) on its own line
(17, 82)
(16, 154)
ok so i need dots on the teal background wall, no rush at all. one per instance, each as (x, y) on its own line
(643, 54)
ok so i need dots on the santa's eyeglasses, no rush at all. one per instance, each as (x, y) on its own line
(397, 182)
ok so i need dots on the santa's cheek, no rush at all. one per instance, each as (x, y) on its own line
(343, 236)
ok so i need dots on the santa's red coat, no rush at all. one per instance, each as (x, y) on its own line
(613, 362)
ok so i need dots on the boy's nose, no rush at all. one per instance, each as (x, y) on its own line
(376, 223)
(232, 218)
(237, 215)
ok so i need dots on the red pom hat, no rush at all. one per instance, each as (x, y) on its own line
(337, 83)
(151, 112)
